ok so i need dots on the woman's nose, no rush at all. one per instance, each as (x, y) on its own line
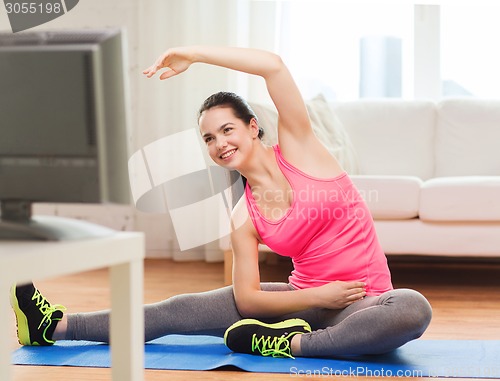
(221, 143)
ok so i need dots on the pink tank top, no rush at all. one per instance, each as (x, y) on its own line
(328, 232)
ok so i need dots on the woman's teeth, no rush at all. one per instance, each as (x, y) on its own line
(228, 153)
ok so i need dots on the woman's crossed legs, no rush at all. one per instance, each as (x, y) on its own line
(376, 324)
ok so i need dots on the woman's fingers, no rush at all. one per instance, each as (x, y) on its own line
(358, 295)
(159, 63)
(174, 63)
(357, 291)
(168, 74)
(150, 71)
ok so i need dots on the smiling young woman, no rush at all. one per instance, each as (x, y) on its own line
(339, 299)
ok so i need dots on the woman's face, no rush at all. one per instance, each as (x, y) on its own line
(228, 139)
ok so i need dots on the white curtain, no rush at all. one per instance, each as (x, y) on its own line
(168, 109)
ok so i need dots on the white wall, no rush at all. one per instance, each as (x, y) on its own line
(174, 106)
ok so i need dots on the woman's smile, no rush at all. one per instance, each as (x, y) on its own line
(228, 154)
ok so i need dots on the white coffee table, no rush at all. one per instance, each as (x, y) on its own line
(122, 252)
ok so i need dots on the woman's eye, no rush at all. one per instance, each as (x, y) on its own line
(207, 140)
(227, 129)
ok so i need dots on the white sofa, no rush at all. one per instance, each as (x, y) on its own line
(429, 171)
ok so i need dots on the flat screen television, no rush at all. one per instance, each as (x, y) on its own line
(63, 128)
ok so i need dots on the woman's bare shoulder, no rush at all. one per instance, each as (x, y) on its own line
(310, 156)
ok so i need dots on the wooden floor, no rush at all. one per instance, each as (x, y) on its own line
(465, 297)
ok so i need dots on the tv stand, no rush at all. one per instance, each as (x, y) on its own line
(17, 223)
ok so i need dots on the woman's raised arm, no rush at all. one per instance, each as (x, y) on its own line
(293, 118)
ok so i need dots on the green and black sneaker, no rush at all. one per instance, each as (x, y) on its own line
(257, 338)
(36, 317)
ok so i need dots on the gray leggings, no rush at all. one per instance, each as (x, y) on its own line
(376, 324)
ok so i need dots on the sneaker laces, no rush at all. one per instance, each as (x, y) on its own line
(46, 308)
(272, 345)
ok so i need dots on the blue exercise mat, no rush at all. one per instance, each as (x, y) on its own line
(419, 358)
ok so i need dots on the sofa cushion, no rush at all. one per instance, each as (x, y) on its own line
(391, 137)
(330, 130)
(268, 120)
(390, 197)
(459, 239)
(325, 124)
(464, 198)
(467, 138)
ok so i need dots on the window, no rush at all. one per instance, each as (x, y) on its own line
(470, 56)
(348, 50)
(351, 50)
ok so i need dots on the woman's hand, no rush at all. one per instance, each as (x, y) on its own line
(338, 294)
(176, 60)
